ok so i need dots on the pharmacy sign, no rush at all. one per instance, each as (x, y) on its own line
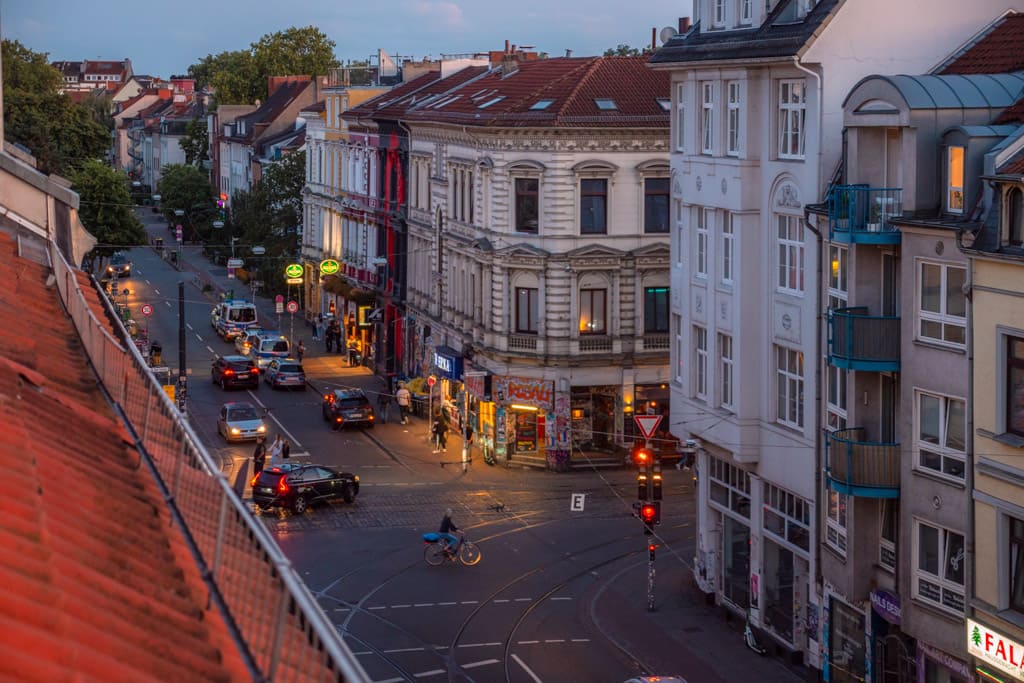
(995, 649)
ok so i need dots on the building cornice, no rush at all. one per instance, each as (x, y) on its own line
(547, 139)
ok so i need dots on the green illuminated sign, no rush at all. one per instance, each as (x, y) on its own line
(293, 270)
(329, 267)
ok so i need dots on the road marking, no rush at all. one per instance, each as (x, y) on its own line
(303, 454)
(580, 640)
(562, 597)
(433, 672)
(341, 609)
(446, 604)
(198, 337)
(148, 282)
(523, 599)
(483, 662)
(469, 602)
(400, 606)
(189, 327)
(210, 350)
(423, 604)
(526, 668)
(527, 642)
(379, 607)
(501, 600)
(403, 649)
(555, 640)
(479, 645)
(167, 303)
(291, 437)
(155, 290)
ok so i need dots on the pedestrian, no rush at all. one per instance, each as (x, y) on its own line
(403, 398)
(259, 456)
(467, 435)
(318, 327)
(286, 449)
(275, 450)
(300, 351)
(383, 404)
(436, 430)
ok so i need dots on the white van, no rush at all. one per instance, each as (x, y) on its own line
(270, 345)
(233, 317)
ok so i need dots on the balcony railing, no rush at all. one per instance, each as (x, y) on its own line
(595, 343)
(522, 342)
(858, 214)
(862, 468)
(858, 341)
(655, 342)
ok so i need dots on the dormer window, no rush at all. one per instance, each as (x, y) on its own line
(955, 180)
(746, 12)
(718, 13)
(1013, 218)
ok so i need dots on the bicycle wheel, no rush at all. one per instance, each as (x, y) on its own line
(469, 553)
(434, 554)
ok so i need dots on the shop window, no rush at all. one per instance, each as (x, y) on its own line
(846, 643)
(736, 562)
(787, 516)
(729, 486)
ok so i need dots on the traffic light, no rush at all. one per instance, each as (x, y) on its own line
(651, 547)
(656, 484)
(642, 457)
(641, 486)
(650, 514)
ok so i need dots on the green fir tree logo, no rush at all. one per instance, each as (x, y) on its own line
(976, 637)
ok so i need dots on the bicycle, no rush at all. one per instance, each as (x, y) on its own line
(436, 551)
(750, 639)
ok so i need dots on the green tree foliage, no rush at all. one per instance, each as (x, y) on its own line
(196, 142)
(240, 77)
(106, 207)
(622, 50)
(60, 134)
(187, 188)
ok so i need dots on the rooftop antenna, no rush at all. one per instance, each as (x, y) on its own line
(667, 34)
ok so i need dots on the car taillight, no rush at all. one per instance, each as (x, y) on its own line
(338, 419)
(282, 486)
(254, 371)
(371, 418)
(228, 372)
(254, 480)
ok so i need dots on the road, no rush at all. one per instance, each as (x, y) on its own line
(560, 595)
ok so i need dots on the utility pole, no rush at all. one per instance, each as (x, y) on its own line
(182, 370)
(463, 424)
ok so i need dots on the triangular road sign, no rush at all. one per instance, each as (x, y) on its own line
(647, 424)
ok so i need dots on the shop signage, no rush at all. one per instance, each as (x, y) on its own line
(329, 267)
(478, 384)
(294, 280)
(293, 270)
(886, 605)
(526, 391)
(995, 649)
(948, 661)
(448, 362)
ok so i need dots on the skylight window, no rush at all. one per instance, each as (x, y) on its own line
(605, 104)
(665, 103)
(541, 104)
(447, 100)
(491, 101)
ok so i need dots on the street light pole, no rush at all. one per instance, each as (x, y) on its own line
(182, 369)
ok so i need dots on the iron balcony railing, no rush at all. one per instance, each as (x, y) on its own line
(862, 214)
(862, 468)
(858, 341)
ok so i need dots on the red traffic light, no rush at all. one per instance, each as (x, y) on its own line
(648, 513)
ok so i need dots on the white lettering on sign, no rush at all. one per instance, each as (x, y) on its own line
(576, 504)
(995, 649)
(444, 364)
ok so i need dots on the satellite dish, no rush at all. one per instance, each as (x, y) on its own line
(667, 34)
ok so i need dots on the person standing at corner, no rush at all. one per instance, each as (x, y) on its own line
(300, 351)
(276, 450)
(403, 399)
(259, 456)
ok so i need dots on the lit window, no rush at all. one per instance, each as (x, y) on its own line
(837, 268)
(592, 311)
(955, 191)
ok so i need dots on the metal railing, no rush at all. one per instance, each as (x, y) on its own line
(522, 342)
(283, 633)
(854, 462)
(656, 342)
(859, 339)
(862, 209)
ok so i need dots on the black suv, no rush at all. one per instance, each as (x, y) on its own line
(119, 265)
(235, 371)
(346, 408)
(298, 486)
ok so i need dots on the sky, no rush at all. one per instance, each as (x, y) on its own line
(164, 38)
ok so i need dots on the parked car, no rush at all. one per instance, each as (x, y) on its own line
(235, 371)
(240, 421)
(120, 265)
(347, 408)
(269, 345)
(285, 373)
(296, 486)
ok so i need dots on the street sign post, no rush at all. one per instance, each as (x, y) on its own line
(648, 424)
(293, 307)
(147, 310)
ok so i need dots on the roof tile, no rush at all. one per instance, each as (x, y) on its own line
(997, 50)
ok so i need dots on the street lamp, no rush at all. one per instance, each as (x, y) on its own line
(178, 233)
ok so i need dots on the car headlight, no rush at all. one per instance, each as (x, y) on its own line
(355, 477)
(235, 430)
(261, 429)
(110, 269)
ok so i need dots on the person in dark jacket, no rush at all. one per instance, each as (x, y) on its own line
(259, 456)
(446, 531)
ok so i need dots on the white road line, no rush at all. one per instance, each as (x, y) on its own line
(423, 604)
(188, 326)
(210, 350)
(303, 454)
(501, 600)
(527, 642)
(484, 662)
(341, 609)
(291, 437)
(198, 337)
(469, 602)
(155, 291)
(446, 604)
(555, 640)
(167, 303)
(400, 606)
(562, 598)
(523, 599)
(403, 649)
(379, 607)
(433, 672)
(580, 640)
(479, 645)
(526, 669)
(148, 282)
(386, 680)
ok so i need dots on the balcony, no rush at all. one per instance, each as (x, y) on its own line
(862, 468)
(857, 341)
(858, 214)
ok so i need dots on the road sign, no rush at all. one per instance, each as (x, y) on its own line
(576, 503)
(177, 231)
(329, 267)
(293, 307)
(293, 270)
(279, 299)
(231, 273)
(235, 263)
(279, 307)
(294, 280)
(147, 310)
(431, 381)
(647, 424)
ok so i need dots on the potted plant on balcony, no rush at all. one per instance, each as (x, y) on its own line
(875, 218)
(841, 209)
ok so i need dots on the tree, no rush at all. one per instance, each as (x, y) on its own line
(186, 188)
(28, 71)
(196, 142)
(622, 50)
(105, 207)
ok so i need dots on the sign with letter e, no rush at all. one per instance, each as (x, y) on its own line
(576, 504)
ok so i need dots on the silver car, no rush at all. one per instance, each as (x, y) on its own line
(285, 372)
(240, 421)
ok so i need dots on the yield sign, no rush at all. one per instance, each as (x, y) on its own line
(647, 424)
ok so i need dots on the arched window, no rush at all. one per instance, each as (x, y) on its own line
(1015, 217)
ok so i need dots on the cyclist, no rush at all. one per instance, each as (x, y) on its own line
(447, 527)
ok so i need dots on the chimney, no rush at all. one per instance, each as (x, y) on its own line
(684, 25)
(507, 46)
(568, 52)
(654, 37)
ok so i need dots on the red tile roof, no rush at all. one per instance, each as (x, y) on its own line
(98, 585)
(1000, 49)
(392, 97)
(1012, 114)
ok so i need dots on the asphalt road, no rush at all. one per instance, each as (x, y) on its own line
(546, 603)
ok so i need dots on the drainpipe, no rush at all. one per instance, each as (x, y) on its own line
(818, 464)
(969, 469)
(821, 110)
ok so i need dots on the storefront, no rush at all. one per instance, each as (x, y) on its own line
(446, 365)
(482, 411)
(593, 411)
(997, 657)
(936, 666)
(786, 521)
(845, 649)
(648, 399)
(524, 408)
(729, 501)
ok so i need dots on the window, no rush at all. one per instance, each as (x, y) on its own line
(955, 188)
(593, 206)
(746, 14)
(787, 516)
(838, 268)
(527, 190)
(700, 335)
(836, 379)
(939, 566)
(1015, 385)
(888, 534)
(656, 305)
(665, 103)
(1016, 574)
(789, 370)
(727, 247)
(792, 113)
(732, 136)
(718, 17)
(592, 311)
(526, 310)
(729, 486)
(835, 522)
(942, 306)
(791, 254)
(680, 347)
(656, 193)
(725, 371)
(605, 104)
(701, 262)
(680, 114)
(707, 117)
(940, 434)
(540, 105)
(1013, 223)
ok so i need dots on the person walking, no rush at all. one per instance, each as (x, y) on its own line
(383, 404)
(259, 456)
(403, 398)
(300, 351)
(439, 431)
(318, 327)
